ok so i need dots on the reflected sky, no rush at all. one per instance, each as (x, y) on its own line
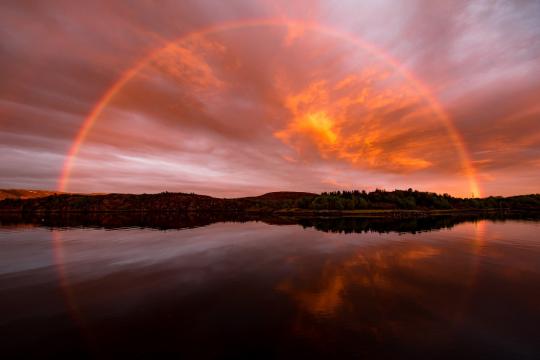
(254, 289)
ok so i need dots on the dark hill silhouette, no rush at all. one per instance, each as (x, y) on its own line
(283, 195)
(401, 202)
(25, 194)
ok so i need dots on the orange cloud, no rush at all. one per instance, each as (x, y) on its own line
(348, 120)
(326, 299)
(294, 32)
(367, 269)
(186, 62)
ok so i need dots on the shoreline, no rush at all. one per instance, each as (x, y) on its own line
(365, 213)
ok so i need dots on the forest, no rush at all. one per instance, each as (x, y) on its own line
(341, 201)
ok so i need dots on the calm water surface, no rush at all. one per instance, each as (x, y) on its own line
(257, 290)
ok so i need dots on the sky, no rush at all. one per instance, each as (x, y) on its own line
(237, 98)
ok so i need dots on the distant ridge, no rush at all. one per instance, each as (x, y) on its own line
(32, 194)
(289, 202)
(25, 194)
(283, 195)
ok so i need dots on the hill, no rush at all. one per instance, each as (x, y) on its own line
(25, 194)
(283, 195)
(283, 202)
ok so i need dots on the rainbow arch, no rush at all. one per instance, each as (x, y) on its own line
(416, 84)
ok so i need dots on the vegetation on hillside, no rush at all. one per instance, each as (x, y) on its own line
(411, 200)
(25, 194)
(271, 202)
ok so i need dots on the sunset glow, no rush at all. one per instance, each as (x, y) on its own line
(272, 98)
(244, 179)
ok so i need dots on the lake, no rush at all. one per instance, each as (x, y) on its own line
(209, 287)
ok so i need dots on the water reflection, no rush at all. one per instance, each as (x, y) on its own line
(181, 220)
(360, 287)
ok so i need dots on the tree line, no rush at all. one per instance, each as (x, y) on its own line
(410, 200)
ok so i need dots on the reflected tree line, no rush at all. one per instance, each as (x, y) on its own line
(170, 221)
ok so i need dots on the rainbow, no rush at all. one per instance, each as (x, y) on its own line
(415, 83)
